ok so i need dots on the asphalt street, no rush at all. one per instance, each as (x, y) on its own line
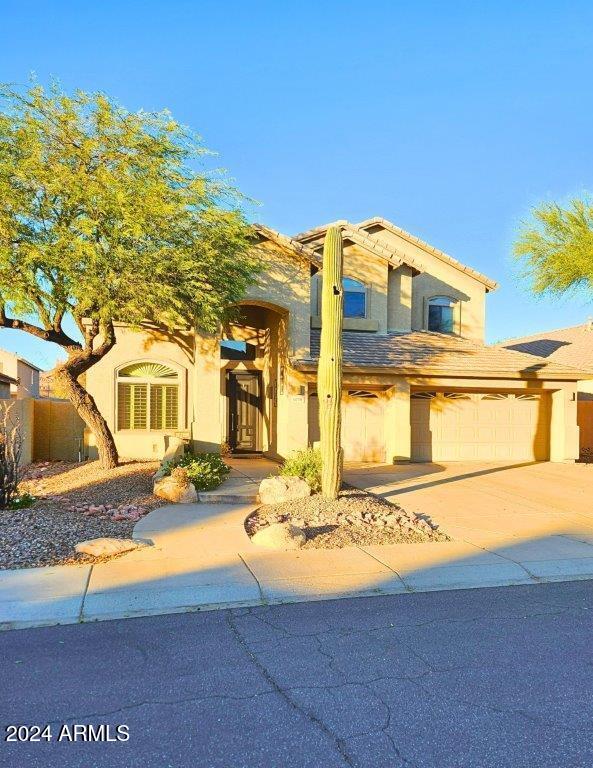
(468, 679)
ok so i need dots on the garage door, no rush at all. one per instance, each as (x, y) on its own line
(485, 426)
(362, 425)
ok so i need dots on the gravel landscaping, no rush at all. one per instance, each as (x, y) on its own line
(74, 502)
(355, 518)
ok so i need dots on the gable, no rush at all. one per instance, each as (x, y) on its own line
(417, 249)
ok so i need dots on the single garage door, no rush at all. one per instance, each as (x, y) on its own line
(484, 426)
(362, 425)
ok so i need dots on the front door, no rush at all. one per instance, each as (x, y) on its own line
(244, 391)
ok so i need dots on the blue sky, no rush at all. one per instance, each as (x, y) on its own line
(450, 119)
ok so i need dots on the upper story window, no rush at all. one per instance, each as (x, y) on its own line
(355, 298)
(147, 397)
(441, 314)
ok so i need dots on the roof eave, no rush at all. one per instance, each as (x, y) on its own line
(427, 372)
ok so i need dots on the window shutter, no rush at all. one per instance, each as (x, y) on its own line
(124, 406)
(164, 406)
(156, 406)
(139, 406)
(171, 406)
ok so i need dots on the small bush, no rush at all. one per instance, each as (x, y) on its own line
(306, 465)
(21, 502)
(205, 470)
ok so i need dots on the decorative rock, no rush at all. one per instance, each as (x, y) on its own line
(275, 490)
(280, 536)
(106, 546)
(168, 488)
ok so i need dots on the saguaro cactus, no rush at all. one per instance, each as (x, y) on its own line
(329, 375)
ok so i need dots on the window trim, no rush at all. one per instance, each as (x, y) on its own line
(180, 382)
(455, 305)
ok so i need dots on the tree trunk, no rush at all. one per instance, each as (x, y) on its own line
(329, 374)
(87, 409)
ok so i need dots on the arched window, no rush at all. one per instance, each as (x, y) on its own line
(355, 298)
(441, 314)
(147, 397)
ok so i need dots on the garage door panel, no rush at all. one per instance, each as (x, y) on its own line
(480, 426)
(362, 425)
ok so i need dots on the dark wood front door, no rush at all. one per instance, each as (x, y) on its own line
(244, 411)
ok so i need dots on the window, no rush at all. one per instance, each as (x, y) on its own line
(355, 296)
(237, 350)
(147, 397)
(441, 314)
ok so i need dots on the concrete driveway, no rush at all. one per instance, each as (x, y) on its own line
(490, 504)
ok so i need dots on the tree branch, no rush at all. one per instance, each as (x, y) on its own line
(47, 334)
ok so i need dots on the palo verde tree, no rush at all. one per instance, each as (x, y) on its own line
(556, 247)
(104, 218)
(329, 375)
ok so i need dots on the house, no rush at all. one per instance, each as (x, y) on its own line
(419, 382)
(6, 382)
(24, 373)
(567, 346)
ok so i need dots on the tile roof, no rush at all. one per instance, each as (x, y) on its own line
(428, 353)
(564, 346)
(384, 248)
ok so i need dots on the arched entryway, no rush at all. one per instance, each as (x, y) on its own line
(253, 358)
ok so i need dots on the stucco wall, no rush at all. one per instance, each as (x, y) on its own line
(442, 279)
(373, 272)
(284, 283)
(134, 346)
(399, 299)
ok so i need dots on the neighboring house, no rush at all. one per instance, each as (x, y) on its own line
(419, 382)
(5, 384)
(25, 374)
(567, 346)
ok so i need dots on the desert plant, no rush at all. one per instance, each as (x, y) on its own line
(305, 464)
(205, 471)
(11, 446)
(329, 376)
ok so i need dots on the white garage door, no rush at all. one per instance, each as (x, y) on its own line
(485, 426)
(362, 425)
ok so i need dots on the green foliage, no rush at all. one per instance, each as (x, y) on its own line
(305, 464)
(556, 247)
(205, 470)
(22, 501)
(104, 216)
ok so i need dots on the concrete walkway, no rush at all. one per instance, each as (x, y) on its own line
(503, 533)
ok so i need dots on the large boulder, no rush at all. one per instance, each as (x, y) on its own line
(170, 489)
(106, 546)
(275, 490)
(280, 536)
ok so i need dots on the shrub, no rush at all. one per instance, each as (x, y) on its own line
(21, 502)
(305, 464)
(205, 470)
